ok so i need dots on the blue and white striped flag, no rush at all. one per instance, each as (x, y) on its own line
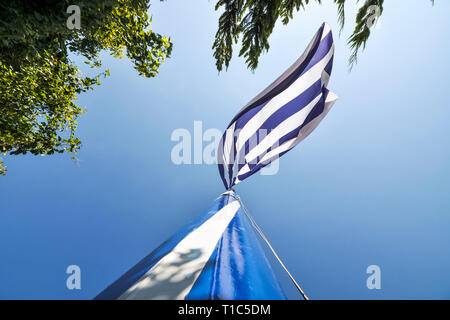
(217, 256)
(280, 116)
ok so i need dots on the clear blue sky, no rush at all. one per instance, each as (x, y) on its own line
(369, 186)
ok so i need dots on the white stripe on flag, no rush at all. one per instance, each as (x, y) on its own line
(173, 276)
(326, 30)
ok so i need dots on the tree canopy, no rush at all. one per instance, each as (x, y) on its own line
(255, 20)
(39, 83)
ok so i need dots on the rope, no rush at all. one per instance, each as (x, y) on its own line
(257, 228)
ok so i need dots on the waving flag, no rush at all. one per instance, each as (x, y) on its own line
(282, 115)
(217, 256)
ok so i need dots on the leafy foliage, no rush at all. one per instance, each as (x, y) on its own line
(254, 20)
(39, 84)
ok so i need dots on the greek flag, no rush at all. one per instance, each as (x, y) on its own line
(282, 115)
(216, 256)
